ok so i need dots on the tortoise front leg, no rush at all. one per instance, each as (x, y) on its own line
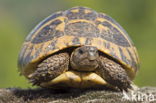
(114, 73)
(50, 68)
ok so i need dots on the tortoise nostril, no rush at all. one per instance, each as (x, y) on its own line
(92, 56)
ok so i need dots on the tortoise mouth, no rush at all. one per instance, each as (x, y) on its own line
(76, 79)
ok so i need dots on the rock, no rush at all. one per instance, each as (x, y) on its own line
(40, 95)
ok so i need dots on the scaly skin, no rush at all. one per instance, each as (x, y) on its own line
(114, 73)
(108, 69)
(50, 68)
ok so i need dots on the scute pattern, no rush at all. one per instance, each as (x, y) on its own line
(48, 32)
(133, 64)
(81, 29)
(75, 27)
(112, 34)
(53, 16)
(110, 19)
(124, 58)
(81, 13)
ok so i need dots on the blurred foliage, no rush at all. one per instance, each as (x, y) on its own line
(18, 17)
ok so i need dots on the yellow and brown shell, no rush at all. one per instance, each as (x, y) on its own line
(75, 27)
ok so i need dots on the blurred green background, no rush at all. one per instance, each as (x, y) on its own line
(18, 17)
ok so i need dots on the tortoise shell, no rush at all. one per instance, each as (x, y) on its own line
(76, 27)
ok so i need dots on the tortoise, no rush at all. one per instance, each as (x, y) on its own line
(79, 48)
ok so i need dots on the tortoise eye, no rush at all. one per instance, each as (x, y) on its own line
(80, 51)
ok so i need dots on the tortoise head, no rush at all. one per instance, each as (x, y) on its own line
(84, 58)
